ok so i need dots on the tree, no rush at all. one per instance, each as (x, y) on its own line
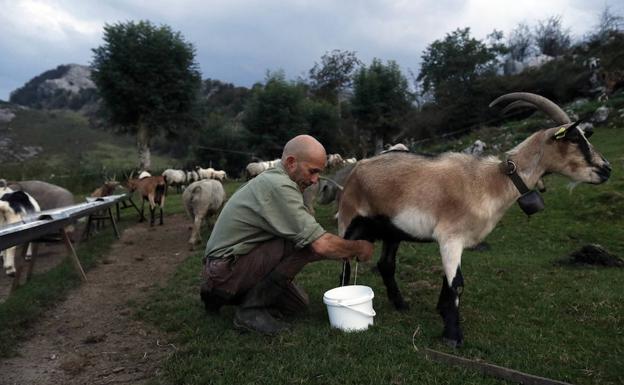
(551, 38)
(274, 114)
(381, 100)
(334, 74)
(520, 42)
(608, 24)
(148, 80)
(449, 66)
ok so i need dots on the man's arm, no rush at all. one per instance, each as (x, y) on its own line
(333, 247)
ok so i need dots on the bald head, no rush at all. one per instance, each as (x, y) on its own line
(304, 148)
(304, 159)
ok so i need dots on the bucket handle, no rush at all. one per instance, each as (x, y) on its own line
(371, 314)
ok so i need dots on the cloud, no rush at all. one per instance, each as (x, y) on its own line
(239, 40)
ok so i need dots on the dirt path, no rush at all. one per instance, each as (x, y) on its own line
(91, 338)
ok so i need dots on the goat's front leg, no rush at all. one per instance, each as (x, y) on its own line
(452, 287)
(9, 261)
(387, 269)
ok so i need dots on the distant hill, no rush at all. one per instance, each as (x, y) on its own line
(68, 86)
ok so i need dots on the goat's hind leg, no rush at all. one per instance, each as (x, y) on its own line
(387, 269)
(452, 288)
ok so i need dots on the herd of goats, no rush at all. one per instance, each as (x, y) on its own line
(454, 199)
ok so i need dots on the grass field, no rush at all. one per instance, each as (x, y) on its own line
(520, 308)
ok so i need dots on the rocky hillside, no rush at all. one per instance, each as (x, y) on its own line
(68, 86)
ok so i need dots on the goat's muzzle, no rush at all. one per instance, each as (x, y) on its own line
(604, 172)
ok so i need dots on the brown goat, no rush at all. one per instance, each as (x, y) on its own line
(152, 189)
(108, 188)
(457, 199)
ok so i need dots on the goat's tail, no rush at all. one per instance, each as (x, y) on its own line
(161, 190)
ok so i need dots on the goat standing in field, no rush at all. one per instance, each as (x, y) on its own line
(202, 199)
(152, 189)
(457, 199)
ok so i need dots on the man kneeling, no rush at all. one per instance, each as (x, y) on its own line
(264, 236)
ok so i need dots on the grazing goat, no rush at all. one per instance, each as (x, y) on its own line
(175, 178)
(219, 175)
(254, 169)
(457, 199)
(108, 188)
(202, 199)
(13, 205)
(152, 189)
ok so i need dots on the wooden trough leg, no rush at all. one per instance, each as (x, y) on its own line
(31, 262)
(72, 255)
(112, 219)
(87, 231)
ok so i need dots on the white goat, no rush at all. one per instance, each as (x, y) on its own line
(175, 178)
(14, 205)
(192, 176)
(334, 160)
(254, 169)
(205, 173)
(202, 199)
(219, 175)
(457, 199)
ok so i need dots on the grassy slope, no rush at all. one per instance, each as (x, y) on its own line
(520, 308)
(70, 148)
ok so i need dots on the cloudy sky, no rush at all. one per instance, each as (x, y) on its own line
(239, 40)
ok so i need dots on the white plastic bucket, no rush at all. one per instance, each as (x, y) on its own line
(350, 308)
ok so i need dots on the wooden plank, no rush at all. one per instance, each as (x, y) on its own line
(490, 369)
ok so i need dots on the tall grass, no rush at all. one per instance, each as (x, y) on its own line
(521, 308)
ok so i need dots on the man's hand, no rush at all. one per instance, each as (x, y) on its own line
(365, 251)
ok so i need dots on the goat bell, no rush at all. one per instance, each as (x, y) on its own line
(531, 202)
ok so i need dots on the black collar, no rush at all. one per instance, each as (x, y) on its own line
(530, 201)
(511, 170)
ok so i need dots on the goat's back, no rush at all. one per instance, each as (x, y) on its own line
(386, 184)
(48, 195)
(203, 197)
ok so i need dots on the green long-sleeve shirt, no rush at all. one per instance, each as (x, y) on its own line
(269, 206)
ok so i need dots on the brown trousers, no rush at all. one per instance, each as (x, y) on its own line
(233, 277)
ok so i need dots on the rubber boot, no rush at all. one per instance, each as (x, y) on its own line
(253, 313)
(213, 299)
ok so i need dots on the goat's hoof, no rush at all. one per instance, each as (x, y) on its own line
(452, 342)
(10, 274)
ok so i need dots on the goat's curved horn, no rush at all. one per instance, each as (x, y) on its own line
(517, 104)
(555, 112)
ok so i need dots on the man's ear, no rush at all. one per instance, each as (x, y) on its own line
(290, 163)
